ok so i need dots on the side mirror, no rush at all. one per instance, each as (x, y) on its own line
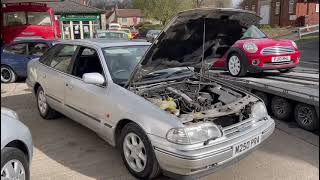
(93, 78)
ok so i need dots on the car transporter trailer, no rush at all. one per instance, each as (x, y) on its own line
(286, 95)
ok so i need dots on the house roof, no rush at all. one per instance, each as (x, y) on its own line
(72, 7)
(129, 13)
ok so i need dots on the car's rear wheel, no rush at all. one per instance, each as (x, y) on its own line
(236, 66)
(7, 74)
(281, 108)
(44, 108)
(137, 152)
(306, 116)
(14, 164)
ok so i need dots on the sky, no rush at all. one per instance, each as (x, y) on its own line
(235, 2)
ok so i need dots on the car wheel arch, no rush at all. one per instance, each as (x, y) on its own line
(120, 125)
(35, 87)
(21, 146)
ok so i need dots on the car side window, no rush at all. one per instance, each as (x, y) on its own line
(37, 48)
(87, 61)
(20, 49)
(62, 59)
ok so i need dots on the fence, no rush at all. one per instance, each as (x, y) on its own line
(308, 30)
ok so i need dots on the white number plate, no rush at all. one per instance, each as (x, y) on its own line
(246, 145)
(280, 59)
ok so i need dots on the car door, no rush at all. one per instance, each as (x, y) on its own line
(87, 101)
(15, 56)
(56, 66)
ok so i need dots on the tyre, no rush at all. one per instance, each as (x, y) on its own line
(263, 96)
(44, 108)
(7, 75)
(281, 108)
(137, 153)
(285, 70)
(14, 164)
(236, 65)
(306, 116)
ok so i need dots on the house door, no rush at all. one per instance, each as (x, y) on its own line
(265, 14)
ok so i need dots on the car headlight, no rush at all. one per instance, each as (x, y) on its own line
(259, 111)
(294, 44)
(250, 47)
(194, 134)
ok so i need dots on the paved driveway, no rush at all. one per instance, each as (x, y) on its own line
(65, 150)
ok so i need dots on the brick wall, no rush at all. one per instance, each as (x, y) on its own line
(312, 16)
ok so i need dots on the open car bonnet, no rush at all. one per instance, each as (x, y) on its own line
(181, 43)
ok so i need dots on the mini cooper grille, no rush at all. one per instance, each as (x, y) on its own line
(277, 50)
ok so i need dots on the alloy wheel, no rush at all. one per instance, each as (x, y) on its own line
(134, 152)
(42, 102)
(234, 65)
(5, 74)
(13, 170)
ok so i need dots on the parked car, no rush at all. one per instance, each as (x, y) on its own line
(16, 147)
(114, 26)
(127, 31)
(182, 125)
(113, 35)
(256, 52)
(152, 35)
(135, 33)
(15, 56)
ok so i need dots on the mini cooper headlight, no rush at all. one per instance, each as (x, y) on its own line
(294, 44)
(194, 134)
(259, 111)
(250, 47)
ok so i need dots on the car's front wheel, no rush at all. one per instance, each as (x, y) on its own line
(137, 152)
(14, 164)
(285, 70)
(7, 74)
(44, 108)
(236, 65)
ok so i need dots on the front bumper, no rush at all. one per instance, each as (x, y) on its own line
(195, 162)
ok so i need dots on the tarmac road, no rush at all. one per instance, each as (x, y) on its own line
(65, 150)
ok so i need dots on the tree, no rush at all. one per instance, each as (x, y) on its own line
(162, 10)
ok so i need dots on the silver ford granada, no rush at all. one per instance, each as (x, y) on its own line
(16, 147)
(147, 101)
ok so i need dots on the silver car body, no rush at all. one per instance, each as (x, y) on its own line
(14, 130)
(105, 109)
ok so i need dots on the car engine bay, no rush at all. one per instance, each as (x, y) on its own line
(194, 101)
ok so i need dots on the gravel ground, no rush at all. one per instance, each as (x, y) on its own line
(65, 150)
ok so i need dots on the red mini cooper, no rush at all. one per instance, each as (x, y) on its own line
(255, 52)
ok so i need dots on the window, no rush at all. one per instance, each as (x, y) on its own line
(246, 7)
(15, 18)
(124, 20)
(20, 48)
(39, 18)
(37, 49)
(253, 8)
(253, 33)
(291, 6)
(61, 61)
(87, 61)
(277, 9)
(317, 8)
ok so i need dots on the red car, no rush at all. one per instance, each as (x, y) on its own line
(255, 52)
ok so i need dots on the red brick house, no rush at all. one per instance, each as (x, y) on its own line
(125, 17)
(285, 12)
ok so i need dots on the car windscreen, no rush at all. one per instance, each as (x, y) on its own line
(121, 61)
(253, 33)
(31, 18)
(112, 35)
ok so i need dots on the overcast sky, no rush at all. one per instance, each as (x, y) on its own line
(235, 2)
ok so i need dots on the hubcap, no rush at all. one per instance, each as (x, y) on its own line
(234, 65)
(42, 102)
(13, 170)
(5, 74)
(134, 152)
(305, 116)
(280, 107)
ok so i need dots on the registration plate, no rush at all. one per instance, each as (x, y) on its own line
(246, 145)
(280, 59)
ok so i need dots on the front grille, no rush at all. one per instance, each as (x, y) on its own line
(231, 130)
(277, 50)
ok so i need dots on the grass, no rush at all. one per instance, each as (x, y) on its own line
(309, 37)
